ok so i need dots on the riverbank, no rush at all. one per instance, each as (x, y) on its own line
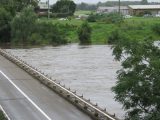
(137, 28)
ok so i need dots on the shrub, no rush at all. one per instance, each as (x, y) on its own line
(113, 18)
(84, 33)
(156, 28)
(23, 25)
(5, 29)
(58, 40)
(140, 14)
(51, 34)
(116, 36)
(132, 27)
(26, 29)
(91, 18)
(107, 18)
(35, 39)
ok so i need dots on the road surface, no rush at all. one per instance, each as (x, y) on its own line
(24, 98)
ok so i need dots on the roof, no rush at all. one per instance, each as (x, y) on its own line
(114, 7)
(43, 5)
(105, 8)
(144, 6)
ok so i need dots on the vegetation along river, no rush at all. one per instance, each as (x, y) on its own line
(91, 70)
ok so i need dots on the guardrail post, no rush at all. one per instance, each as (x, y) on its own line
(96, 114)
(76, 101)
(68, 95)
(85, 107)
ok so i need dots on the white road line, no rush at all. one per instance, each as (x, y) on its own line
(4, 112)
(36, 106)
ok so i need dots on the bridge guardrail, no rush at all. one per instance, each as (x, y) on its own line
(91, 109)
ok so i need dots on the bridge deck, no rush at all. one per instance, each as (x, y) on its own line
(32, 100)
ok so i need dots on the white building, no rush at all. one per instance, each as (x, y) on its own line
(43, 7)
(137, 9)
(123, 9)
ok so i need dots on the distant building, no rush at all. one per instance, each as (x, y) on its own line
(43, 7)
(114, 9)
(137, 9)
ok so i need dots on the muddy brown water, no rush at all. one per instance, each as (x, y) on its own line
(90, 70)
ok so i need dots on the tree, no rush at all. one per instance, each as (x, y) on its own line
(84, 33)
(14, 6)
(9, 6)
(50, 33)
(156, 28)
(21, 4)
(66, 7)
(115, 36)
(144, 2)
(85, 6)
(23, 25)
(5, 19)
(138, 85)
(91, 18)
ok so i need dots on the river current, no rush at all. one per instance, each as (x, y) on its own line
(90, 70)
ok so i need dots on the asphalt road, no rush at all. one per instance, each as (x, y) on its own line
(24, 98)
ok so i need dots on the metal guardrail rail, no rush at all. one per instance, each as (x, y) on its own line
(91, 109)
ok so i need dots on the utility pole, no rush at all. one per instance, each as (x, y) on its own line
(119, 7)
(48, 10)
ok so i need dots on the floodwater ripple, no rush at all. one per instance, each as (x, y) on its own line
(90, 70)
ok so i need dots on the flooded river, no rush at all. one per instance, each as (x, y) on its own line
(90, 70)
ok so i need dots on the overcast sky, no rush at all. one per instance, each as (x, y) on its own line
(95, 1)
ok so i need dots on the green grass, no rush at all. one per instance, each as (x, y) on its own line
(137, 28)
(79, 12)
(141, 28)
(100, 32)
(149, 20)
(55, 20)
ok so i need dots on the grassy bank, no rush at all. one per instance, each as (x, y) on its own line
(79, 12)
(100, 31)
(135, 28)
(140, 28)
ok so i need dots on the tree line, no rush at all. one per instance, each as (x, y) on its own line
(20, 25)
